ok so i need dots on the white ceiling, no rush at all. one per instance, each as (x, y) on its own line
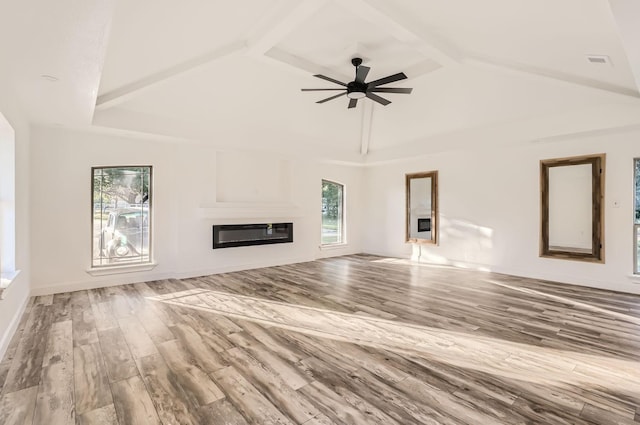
(230, 73)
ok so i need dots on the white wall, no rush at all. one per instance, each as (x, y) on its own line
(489, 205)
(194, 187)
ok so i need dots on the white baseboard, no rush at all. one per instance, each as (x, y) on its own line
(607, 285)
(133, 278)
(11, 329)
(625, 286)
(128, 278)
(123, 279)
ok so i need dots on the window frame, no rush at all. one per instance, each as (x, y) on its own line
(8, 271)
(125, 265)
(636, 220)
(343, 216)
(435, 221)
(598, 164)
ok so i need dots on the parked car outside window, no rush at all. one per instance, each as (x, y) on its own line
(126, 235)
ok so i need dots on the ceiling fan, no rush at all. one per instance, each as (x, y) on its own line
(358, 89)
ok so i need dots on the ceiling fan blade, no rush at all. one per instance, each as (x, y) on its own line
(324, 77)
(361, 73)
(376, 98)
(331, 98)
(390, 79)
(352, 103)
(320, 89)
(391, 90)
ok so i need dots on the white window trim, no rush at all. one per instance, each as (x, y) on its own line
(129, 268)
(107, 269)
(6, 280)
(8, 272)
(330, 246)
(634, 278)
(636, 226)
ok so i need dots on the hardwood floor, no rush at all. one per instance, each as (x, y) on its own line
(349, 340)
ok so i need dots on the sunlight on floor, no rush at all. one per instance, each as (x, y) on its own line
(490, 355)
(586, 306)
(565, 300)
(433, 262)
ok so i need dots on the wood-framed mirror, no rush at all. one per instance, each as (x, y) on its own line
(572, 208)
(422, 207)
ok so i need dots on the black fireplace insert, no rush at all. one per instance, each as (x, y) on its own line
(233, 235)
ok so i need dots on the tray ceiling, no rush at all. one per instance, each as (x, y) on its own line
(230, 73)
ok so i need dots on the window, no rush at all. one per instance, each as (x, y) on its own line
(7, 204)
(332, 213)
(636, 223)
(121, 211)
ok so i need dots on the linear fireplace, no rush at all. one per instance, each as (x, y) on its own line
(232, 235)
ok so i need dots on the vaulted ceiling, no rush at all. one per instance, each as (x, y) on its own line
(230, 73)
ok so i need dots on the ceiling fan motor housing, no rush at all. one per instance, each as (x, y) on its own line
(356, 90)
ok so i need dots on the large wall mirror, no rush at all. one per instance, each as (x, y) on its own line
(572, 208)
(422, 207)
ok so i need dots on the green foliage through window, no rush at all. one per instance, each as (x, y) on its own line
(332, 212)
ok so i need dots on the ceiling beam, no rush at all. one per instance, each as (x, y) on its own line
(626, 14)
(367, 122)
(130, 90)
(303, 66)
(404, 28)
(426, 66)
(530, 71)
(282, 20)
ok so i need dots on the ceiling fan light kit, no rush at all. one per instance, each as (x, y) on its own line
(359, 89)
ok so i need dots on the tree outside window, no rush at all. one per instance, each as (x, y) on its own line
(332, 213)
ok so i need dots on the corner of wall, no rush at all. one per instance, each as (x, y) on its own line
(12, 308)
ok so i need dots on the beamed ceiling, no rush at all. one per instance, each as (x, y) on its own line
(230, 73)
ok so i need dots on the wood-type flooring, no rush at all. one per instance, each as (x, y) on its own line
(349, 340)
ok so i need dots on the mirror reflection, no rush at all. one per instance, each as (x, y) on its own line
(421, 207)
(570, 212)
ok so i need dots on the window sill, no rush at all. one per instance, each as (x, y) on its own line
(333, 246)
(6, 279)
(132, 268)
(634, 278)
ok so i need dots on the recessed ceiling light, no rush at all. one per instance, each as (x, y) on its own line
(599, 59)
(49, 78)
